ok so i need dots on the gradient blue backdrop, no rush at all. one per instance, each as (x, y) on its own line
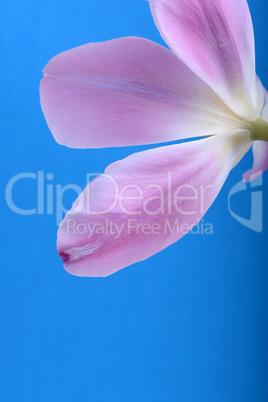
(187, 325)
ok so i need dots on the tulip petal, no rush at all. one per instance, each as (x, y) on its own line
(260, 164)
(264, 113)
(128, 91)
(260, 152)
(215, 39)
(145, 202)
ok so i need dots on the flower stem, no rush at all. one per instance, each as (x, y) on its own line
(259, 130)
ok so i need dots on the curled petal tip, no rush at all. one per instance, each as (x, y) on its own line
(64, 256)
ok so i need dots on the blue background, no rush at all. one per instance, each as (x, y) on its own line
(189, 324)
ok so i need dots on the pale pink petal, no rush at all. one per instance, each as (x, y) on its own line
(264, 113)
(128, 91)
(260, 152)
(129, 214)
(260, 164)
(215, 39)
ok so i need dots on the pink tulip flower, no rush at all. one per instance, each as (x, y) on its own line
(131, 91)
